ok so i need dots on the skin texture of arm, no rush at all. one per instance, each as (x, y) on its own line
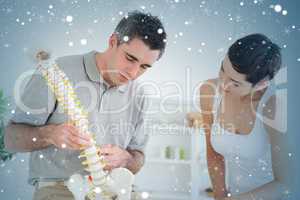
(215, 161)
(136, 162)
(116, 157)
(27, 138)
(35, 137)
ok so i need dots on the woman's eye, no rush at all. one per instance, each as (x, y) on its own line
(236, 85)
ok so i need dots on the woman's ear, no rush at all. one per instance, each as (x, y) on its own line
(262, 84)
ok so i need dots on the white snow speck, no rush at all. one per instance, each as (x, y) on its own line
(160, 31)
(50, 6)
(277, 8)
(242, 3)
(284, 12)
(63, 146)
(34, 139)
(69, 18)
(13, 112)
(83, 41)
(71, 44)
(126, 38)
(298, 59)
(97, 190)
(123, 191)
(145, 195)
(41, 156)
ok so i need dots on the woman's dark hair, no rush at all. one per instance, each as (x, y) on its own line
(256, 56)
(143, 26)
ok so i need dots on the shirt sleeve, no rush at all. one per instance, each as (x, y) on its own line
(140, 136)
(36, 103)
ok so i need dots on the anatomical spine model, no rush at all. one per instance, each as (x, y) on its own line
(99, 185)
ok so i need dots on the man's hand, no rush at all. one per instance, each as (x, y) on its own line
(115, 156)
(67, 136)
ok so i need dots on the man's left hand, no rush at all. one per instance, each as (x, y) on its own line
(114, 156)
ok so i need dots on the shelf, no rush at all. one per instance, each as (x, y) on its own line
(168, 161)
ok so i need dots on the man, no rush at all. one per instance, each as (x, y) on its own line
(106, 86)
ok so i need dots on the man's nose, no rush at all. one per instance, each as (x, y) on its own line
(132, 71)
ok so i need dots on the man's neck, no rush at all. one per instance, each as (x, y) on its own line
(101, 63)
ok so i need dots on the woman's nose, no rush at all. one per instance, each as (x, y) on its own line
(225, 84)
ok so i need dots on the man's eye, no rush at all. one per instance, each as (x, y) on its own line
(129, 59)
(236, 85)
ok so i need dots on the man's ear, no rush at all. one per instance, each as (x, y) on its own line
(113, 41)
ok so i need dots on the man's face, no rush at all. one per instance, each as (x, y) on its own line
(129, 60)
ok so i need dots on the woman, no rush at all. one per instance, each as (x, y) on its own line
(234, 107)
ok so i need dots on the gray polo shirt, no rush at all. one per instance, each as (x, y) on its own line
(116, 115)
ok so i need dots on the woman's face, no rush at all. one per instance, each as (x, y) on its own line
(232, 81)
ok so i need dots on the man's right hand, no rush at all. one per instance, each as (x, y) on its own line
(66, 136)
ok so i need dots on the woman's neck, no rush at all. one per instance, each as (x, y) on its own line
(253, 97)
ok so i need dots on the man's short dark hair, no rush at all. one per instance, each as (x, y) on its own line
(256, 56)
(143, 26)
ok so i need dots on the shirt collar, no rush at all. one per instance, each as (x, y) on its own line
(91, 69)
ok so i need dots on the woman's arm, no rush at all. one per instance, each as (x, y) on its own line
(215, 161)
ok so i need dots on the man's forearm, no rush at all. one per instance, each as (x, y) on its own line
(136, 162)
(26, 138)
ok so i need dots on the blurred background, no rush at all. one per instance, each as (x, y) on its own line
(199, 33)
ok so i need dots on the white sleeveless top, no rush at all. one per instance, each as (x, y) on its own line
(248, 163)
